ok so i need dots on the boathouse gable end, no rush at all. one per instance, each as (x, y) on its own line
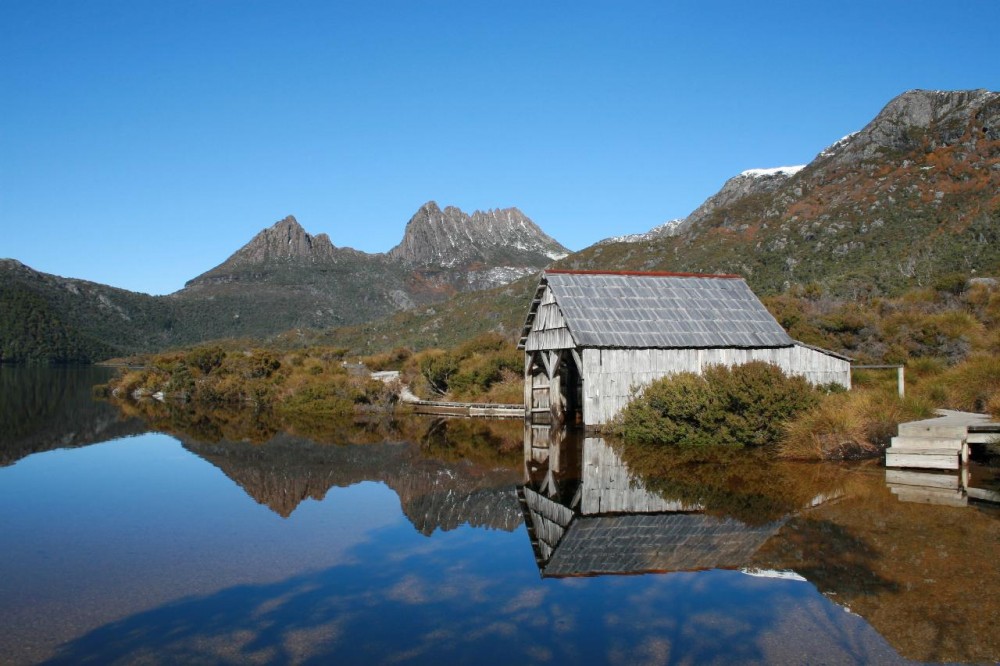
(591, 338)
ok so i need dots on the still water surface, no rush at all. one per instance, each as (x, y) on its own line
(164, 537)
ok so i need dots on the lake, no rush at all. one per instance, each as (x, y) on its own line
(159, 534)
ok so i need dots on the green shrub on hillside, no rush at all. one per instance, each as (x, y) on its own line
(486, 368)
(745, 405)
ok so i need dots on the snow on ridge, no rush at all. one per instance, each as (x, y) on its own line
(668, 228)
(784, 170)
(832, 148)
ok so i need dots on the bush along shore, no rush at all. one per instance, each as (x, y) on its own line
(322, 381)
(947, 335)
(319, 381)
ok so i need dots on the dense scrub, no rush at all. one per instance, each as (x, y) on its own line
(317, 382)
(949, 321)
(487, 368)
(745, 405)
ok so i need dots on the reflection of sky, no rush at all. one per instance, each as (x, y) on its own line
(138, 549)
(91, 534)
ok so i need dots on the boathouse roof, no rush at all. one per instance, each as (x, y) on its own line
(659, 310)
(567, 544)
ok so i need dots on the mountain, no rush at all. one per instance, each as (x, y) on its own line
(477, 251)
(283, 279)
(913, 195)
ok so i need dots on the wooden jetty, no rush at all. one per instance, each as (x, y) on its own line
(942, 442)
(443, 408)
(483, 410)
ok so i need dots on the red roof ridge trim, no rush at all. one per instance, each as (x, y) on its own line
(724, 276)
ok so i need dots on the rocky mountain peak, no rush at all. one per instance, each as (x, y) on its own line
(910, 196)
(948, 117)
(286, 239)
(744, 184)
(450, 237)
(283, 243)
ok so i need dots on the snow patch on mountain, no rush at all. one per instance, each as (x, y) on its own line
(774, 171)
(668, 228)
(837, 145)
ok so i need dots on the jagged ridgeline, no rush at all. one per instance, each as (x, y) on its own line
(912, 196)
(283, 279)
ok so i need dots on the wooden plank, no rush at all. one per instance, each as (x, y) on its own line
(919, 450)
(922, 460)
(547, 360)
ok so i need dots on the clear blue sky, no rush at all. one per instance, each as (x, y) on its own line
(141, 143)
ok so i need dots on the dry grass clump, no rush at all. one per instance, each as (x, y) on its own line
(972, 386)
(845, 426)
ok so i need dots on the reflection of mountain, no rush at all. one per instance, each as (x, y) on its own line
(43, 408)
(434, 494)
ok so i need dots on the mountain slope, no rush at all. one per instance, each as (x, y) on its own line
(283, 279)
(49, 318)
(913, 195)
(286, 278)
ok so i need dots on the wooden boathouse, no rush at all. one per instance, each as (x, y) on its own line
(591, 337)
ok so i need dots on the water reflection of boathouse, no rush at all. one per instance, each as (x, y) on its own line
(587, 514)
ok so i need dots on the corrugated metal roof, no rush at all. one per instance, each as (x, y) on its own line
(658, 310)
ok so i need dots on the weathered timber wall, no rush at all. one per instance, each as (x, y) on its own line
(549, 330)
(611, 374)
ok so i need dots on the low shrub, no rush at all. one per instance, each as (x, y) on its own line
(477, 371)
(744, 405)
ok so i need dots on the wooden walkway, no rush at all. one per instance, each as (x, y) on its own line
(942, 442)
(442, 408)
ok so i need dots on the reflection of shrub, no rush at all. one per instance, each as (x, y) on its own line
(744, 405)
(744, 484)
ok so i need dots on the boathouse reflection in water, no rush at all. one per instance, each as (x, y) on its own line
(924, 576)
(587, 514)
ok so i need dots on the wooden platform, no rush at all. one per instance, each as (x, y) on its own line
(940, 443)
